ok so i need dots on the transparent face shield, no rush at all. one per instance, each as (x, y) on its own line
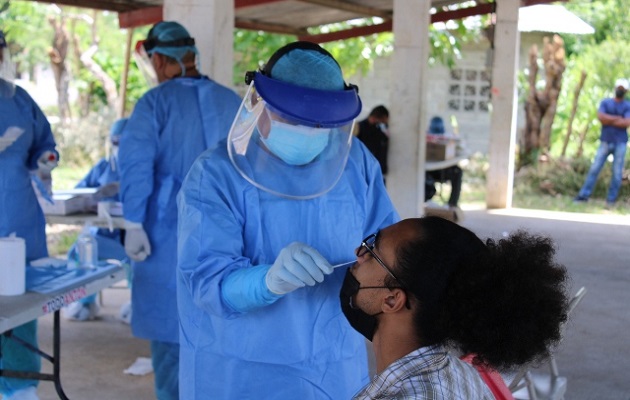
(143, 61)
(283, 156)
(7, 74)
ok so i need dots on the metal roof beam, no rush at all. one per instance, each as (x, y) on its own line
(144, 16)
(274, 28)
(387, 25)
(351, 7)
(252, 3)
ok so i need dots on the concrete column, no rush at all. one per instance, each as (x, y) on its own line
(211, 23)
(500, 177)
(405, 181)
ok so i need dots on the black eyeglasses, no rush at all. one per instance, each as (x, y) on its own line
(367, 245)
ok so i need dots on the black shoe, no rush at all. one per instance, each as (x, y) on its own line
(580, 199)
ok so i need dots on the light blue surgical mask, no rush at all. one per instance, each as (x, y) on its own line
(296, 144)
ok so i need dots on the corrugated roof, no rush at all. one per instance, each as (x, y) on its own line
(551, 18)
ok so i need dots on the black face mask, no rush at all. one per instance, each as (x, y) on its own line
(362, 322)
(620, 93)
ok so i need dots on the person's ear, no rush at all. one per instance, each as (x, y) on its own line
(157, 60)
(395, 301)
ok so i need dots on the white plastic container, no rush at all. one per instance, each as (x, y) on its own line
(87, 247)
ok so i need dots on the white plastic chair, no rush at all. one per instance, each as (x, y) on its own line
(528, 385)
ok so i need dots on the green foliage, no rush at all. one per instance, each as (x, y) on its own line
(603, 63)
(27, 31)
(254, 48)
(565, 177)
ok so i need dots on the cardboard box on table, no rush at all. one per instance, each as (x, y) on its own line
(440, 147)
(68, 202)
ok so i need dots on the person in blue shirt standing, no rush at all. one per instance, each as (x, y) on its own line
(614, 114)
(170, 126)
(263, 221)
(26, 144)
(104, 176)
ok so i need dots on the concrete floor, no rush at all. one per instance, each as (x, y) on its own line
(594, 356)
(94, 355)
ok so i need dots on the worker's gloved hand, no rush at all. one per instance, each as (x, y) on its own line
(137, 244)
(47, 161)
(107, 190)
(297, 265)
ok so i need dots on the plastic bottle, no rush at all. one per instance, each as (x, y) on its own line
(87, 248)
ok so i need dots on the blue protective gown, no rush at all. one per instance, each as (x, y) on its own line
(170, 126)
(101, 174)
(21, 213)
(301, 346)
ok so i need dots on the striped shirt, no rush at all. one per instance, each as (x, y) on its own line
(427, 373)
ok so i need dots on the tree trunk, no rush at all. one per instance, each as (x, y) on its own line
(580, 149)
(553, 56)
(58, 54)
(86, 58)
(540, 107)
(576, 96)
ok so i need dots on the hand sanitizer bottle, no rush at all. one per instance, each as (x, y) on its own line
(87, 248)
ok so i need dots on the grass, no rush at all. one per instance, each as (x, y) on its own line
(551, 189)
(65, 177)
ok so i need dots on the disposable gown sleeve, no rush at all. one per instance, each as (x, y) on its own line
(212, 268)
(43, 136)
(138, 148)
(90, 180)
(245, 289)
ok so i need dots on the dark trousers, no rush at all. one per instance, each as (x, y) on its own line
(454, 176)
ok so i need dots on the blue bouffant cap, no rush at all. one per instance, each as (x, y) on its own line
(308, 68)
(170, 39)
(436, 126)
(117, 128)
(302, 82)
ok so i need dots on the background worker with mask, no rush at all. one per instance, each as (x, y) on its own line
(104, 176)
(263, 221)
(170, 126)
(26, 144)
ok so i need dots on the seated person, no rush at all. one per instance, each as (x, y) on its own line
(104, 175)
(452, 174)
(423, 284)
(373, 132)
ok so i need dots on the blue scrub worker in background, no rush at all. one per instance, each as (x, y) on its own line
(171, 125)
(263, 220)
(104, 176)
(26, 144)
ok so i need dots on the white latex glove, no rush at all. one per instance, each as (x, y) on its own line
(47, 161)
(137, 244)
(297, 265)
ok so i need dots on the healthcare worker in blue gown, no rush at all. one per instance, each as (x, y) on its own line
(263, 220)
(170, 126)
(104, 176)
(26, 144)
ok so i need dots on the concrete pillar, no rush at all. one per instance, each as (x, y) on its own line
(405, 180)
(211, 23)
(500, 177)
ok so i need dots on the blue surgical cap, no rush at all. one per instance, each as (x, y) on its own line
(168, 31)
(117, 127)
(308, 68)
(436, 125)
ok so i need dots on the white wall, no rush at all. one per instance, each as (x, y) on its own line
(474, 127)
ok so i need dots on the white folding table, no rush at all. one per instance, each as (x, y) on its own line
(18, 310)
